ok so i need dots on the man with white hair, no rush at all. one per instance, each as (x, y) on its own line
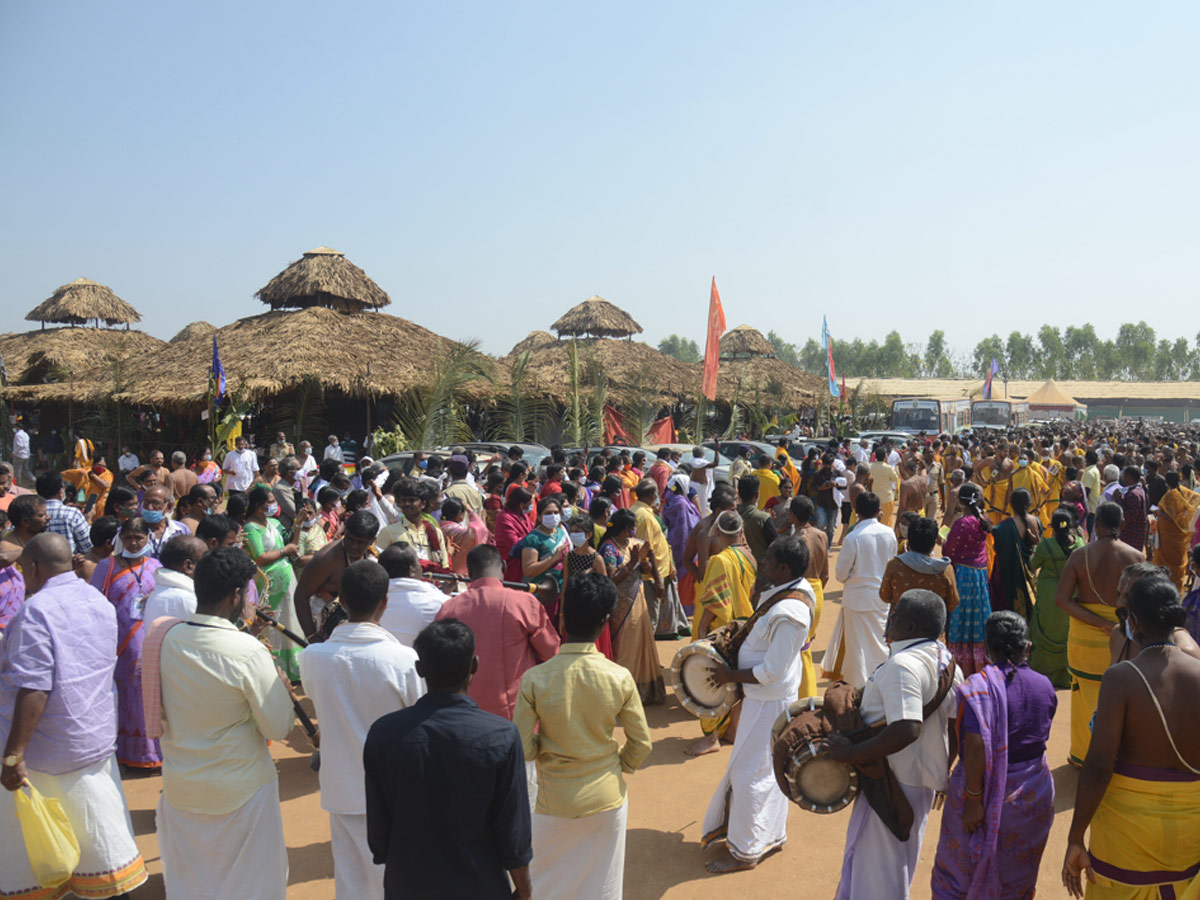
(58, 721)
(912, 695)
(180, 479)
(1112, 484)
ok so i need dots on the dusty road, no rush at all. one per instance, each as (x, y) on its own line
(667, 800)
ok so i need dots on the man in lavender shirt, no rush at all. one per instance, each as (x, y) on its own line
(58, 721)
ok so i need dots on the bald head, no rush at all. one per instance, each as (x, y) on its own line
(43, 557)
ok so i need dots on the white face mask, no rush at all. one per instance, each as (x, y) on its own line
(578, 539)
(1128, 630)
(273, 510)
(551, 520)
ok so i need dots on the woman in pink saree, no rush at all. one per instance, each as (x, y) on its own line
(1000, 800)
(126, 580)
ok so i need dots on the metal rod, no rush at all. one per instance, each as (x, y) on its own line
(514, 585)
(290, 635)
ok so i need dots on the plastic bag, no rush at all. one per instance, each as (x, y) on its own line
(49, 838)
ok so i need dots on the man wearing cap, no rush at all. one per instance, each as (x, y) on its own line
(702, 479)
(460, 489)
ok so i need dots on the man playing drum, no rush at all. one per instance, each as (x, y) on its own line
(748, 811)
(876, 863)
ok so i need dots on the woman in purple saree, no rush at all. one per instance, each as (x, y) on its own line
(126, 580)
(1000, 800)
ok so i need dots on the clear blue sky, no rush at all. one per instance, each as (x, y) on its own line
(975, 166)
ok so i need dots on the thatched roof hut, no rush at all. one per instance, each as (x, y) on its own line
(80, 364)
(533, 341)
(323, 277)
(194, 329)
(596, 317)
(81, 301)
(767, 375)
(360, 354)
(634, 371)
(745, 342)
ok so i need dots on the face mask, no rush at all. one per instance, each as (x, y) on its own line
(99, 470)
(273, 510)
(129, 554)
(207, 457)
(1022, 463)
(529, 509)
(1128, 630)
(423, 465)
(568, 512)
(551, 520)
(153, 516)
(578, 539)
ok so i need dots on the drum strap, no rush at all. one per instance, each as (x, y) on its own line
(787, 592)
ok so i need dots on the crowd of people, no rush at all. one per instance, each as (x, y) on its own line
(506, 617)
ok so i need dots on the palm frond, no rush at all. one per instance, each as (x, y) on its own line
(433, 414)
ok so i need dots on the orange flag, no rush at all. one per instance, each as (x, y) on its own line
(712, 344)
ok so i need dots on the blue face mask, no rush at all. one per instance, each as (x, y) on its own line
(129, 554)
(153, 516)
(423, 465)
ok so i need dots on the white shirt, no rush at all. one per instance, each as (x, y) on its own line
(861, 454)
(412, 604)
(334, 451)
(308, 464)
(898, 691)
(127, 462)
(20, 443)
(865, 554)
(772, 649)
(222, 700)
(336, 676)
(893, 458)
(241, 466)
(174, 595)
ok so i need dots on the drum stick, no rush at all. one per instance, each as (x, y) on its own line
(290, 635)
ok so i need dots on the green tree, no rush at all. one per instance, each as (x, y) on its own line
(812, 357)
(1135, 346)
(895, 361)
(1019, 352)
(1108, 361)
(1184, 358)
(937, 362)
(784, 350)
(985, 351)
(1079, 352)
(1050, 344)
(681, 348)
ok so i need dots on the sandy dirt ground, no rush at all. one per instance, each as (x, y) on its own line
(667, 799)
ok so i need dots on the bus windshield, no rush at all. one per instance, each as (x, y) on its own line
(990, 414)
(920, 418)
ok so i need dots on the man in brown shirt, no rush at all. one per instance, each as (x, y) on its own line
(917, 568)
(180, 479)
(933, 485)
(803, 510)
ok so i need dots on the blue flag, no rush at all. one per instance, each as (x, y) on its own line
(827, 343)
(218, 371)
(993, 371)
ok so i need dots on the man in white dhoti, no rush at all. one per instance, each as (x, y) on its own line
(220, 830)
(748, 811)
(361, 673)
(913, 693)
(703, 478)
(856, 645)
(566, 711)
(58, 722)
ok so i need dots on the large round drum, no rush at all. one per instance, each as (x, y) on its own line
(690, 674)
(814, 783)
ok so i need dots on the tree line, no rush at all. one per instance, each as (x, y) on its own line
(1137, 353)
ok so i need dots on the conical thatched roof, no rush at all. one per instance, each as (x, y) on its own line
(533, 341)
(72, 363)
(596, 317)
(271, 353)
(770, 376)
(1050, 394)
(634, 371)
(323, 277)
(195, 329)
(745, 342)
(83, 300)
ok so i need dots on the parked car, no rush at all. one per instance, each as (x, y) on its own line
(721, 472)
(730, 448)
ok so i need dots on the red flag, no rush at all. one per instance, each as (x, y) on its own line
(662, 431)
(614, 427)
(712, 343)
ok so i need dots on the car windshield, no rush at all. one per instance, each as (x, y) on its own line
(989, 414)
(919, 419)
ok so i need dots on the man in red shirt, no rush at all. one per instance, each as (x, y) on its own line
(512, 631)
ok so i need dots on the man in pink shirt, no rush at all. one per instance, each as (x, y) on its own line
(513, 633)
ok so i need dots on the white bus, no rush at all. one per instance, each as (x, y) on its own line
(1002, 414)
(913, 416)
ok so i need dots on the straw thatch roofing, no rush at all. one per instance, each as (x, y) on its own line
(271, 353)
(81, 301)
(596, 317)
(323, 277)
(745, 342)
(771, 376)
(71, 363)
(1050, 394)
(533, 341)
(1085, 392)
(634, 371)
(195, 329)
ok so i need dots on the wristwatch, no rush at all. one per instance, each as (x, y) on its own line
(10, 761)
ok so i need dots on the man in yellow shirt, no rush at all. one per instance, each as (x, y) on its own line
(660, 586)
(768, 481)
(566, 711)
(884, 485)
